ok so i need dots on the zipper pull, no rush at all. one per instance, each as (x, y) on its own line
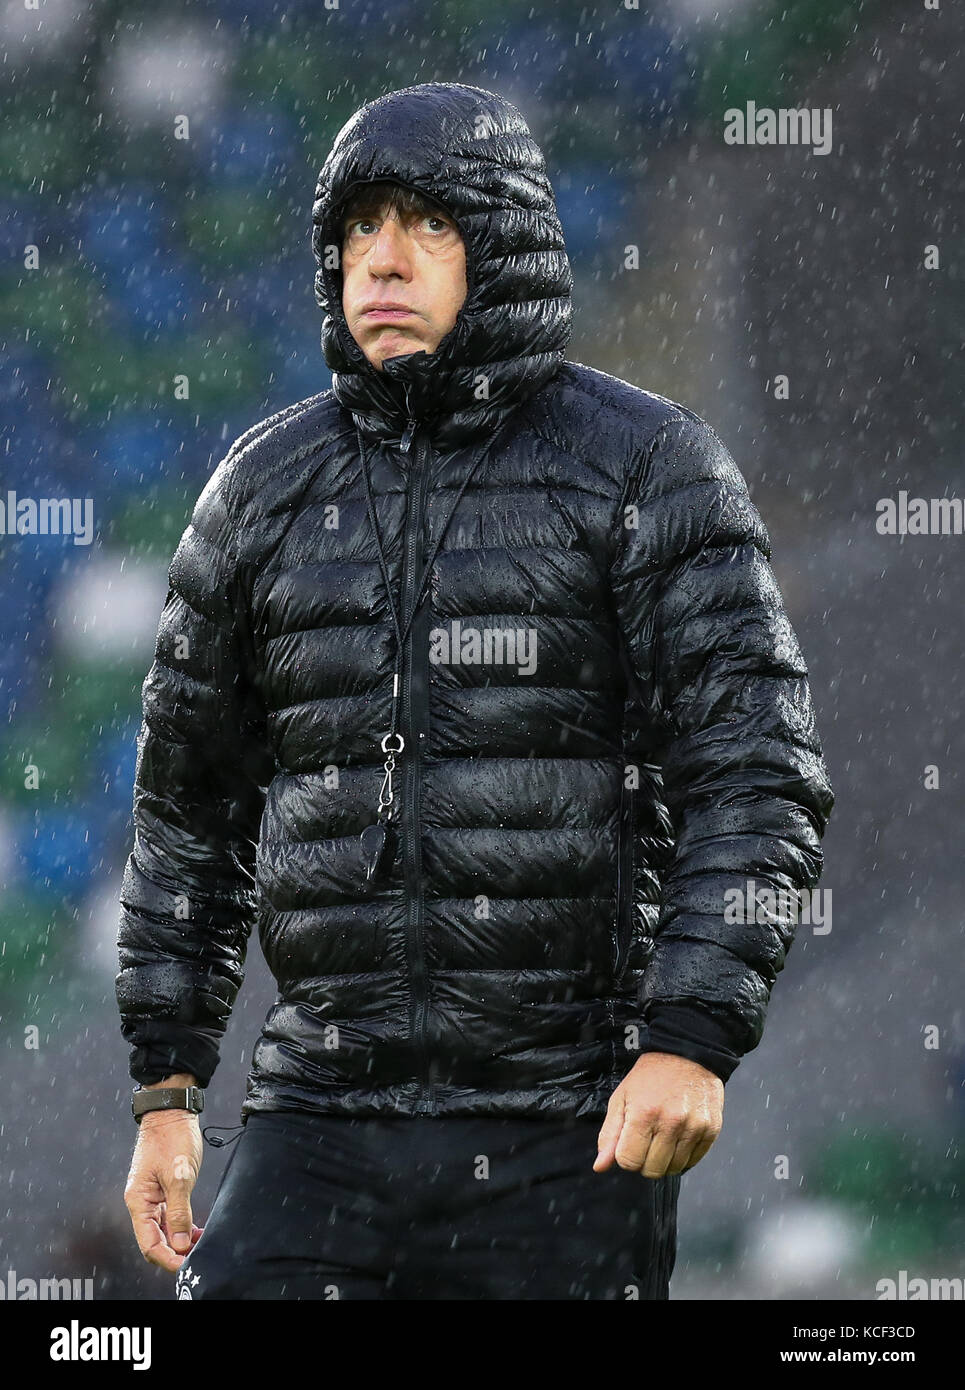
(411, 423)
(378, 850)
(406, 441)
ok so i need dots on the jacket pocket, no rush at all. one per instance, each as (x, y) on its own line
(624, 883)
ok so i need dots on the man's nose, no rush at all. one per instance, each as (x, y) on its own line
(390, 254)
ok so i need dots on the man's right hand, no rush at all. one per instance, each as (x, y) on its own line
(164, 1169)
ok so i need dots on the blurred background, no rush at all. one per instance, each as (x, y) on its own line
(131, 256)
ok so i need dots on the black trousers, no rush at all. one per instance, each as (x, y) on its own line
(330, 1207)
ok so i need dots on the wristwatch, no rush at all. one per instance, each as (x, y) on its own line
(167, 1098)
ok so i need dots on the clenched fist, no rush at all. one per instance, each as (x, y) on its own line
(662, 1118)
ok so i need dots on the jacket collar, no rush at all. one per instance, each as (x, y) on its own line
(473, 152)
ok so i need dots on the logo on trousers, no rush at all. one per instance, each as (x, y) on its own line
(186, 1283)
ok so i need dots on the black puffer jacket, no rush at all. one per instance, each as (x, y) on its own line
(571, 812)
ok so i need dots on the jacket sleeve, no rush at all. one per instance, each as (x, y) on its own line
(721, 676)
(187, 897)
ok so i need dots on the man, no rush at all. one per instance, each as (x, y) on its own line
(475, 691)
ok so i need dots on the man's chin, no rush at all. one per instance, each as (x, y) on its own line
(404, 350)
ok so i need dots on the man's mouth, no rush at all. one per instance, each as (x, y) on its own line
(388, 313)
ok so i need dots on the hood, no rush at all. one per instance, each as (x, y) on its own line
(472, 151)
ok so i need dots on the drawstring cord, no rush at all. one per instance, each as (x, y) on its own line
(402, 632)
(221, 1143)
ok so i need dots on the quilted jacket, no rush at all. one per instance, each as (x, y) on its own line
(606, 727)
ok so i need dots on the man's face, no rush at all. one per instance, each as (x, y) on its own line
(403, 280)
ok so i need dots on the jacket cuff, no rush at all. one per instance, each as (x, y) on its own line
(692, 1032)
(154, 1059)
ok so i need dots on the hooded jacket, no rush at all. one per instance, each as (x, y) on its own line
(609, 746)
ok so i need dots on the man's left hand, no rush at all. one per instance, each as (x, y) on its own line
(662, 1118)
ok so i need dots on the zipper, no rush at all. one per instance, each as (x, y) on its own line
(624, 882)
(415, 708)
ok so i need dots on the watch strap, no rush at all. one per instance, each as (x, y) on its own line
(167, 1098)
